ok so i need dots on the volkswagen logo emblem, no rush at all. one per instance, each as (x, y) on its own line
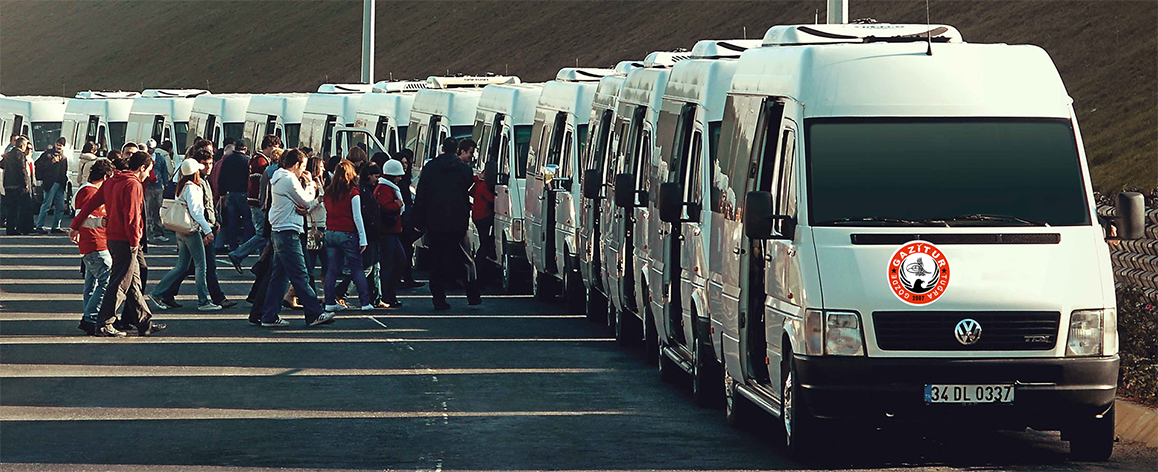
(968, 331)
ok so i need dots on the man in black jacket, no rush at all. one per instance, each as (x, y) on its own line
(18, 178)
(442, 208)
(233, 183)
(52, 171)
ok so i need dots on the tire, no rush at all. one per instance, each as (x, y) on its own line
(542, 286)
(1093, 439)
(596, 308)
(801, 430)
(738, 410)
(508, 274)
(706, 374)
(668, 370)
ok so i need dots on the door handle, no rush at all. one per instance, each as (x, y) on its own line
(737, 250)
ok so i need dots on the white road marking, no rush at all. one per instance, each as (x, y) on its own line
(55, 413)
(36, 339)
(113, 371)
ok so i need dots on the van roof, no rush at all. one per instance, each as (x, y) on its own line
(886, 79)
(645, 87)
(666, 58)
(396, 86)
(178, 109)
(345, 88)
(394, 106)
(35, 107)
(93, 95)
(796, 35)
(475, 81)
(458, 105)
(577, 74)
(344, 105)
(516, 101)
(288, 106)
(571, 97)
(607, 92)
(704, 82)
(174, 93)
(113, 109)
(722, 48)
(230, 107)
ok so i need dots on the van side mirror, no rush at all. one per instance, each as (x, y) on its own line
(592, 183)
(1131, 215)
(670, 202)
(759, 218)
(625, 190)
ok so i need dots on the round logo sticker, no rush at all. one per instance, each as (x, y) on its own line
(918, 273)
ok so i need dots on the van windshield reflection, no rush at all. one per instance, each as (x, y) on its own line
(944, 172)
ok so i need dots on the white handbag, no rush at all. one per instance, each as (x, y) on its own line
(175, 216)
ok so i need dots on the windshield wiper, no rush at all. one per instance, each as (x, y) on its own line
(901, 221)
(992, 217)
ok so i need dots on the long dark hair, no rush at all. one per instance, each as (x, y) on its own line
(345, 179)
(185, 179)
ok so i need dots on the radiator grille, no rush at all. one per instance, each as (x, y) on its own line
(933, 330)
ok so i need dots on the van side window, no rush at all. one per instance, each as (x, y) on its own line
(643, 163)
(382, 130)
(158, 127)
(730, 176)
(565, 157)
(522, 149)
(785, 196)
(691, 178)
(504, 156)
(602, 140)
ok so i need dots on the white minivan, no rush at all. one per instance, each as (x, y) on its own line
(446, 108)
(903, 230)
(502, 129)
(100, 117)
(279, 114)
(219, 116)
(38, 117)
(333, 106)
(385, 113)
(163, 115)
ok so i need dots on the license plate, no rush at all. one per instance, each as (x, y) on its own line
(952, 393)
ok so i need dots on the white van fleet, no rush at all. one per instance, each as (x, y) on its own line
(446, 108)
(333, 106)
(687, 134)
(903, 229)
(163, 115)
(219, 116)
(101, 117)
(279, 114)
(502, 129)
(557, 140)
(385, 113)
(38, 117)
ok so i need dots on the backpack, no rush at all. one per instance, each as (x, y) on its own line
(257, 165)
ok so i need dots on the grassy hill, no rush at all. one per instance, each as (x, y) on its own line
(1107, 51)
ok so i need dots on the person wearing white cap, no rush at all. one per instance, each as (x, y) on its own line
(191, 247)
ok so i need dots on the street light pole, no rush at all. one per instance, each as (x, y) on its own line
(837, 12)
(368, 41)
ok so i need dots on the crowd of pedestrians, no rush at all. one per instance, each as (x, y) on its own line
(352, 216)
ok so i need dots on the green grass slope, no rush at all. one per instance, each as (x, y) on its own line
(1107, 51)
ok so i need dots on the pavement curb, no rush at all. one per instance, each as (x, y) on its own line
(1136, 423)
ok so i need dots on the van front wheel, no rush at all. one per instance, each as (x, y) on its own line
(800, 427)
(1092, 440)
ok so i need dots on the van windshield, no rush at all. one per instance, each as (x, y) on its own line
(117, 131)
(44, 134)
(986, 171)
(181, 128)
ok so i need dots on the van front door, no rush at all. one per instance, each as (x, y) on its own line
(594, 156)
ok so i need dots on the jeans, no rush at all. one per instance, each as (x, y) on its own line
(392, 259)
(53, 200)
(371, 270)
(255, 243)
(451, 252)
(125, 284)
(343, 247)
(190, 248)
(237, 223)
(97, 265)
(289, 268)
(211, 283)
(153, 226)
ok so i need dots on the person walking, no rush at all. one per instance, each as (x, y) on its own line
(191, 247)
(234, 185)
(442, 208)
(345, 236)
(289, 199)
(163, 297)
(155, 194)
(52, 169)
(93, 246)
(316, 218)
(482, 213)
(19, 176)
(391, 255)
(257, 199)
(123, 196)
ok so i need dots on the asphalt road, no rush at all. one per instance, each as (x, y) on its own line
(516, 384)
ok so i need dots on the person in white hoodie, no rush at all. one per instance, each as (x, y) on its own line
(289, 200)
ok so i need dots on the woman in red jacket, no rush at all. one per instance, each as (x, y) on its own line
(388, 193)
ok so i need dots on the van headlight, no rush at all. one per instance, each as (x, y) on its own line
(835, 333)
(517, 230)
(1093, 333)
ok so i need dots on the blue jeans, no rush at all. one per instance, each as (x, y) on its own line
(392, 259)
(189, 247)
(289, 267)
(53, 198)
(238, 220)
(342, 247)
(257, 242)
(97, 265)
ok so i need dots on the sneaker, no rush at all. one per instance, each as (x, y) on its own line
(324, 318)
(335, 308)
(382, 305)
(108, 331)
(41, 231)
(236, 265)
(161, 305)
(160, 239)
(173, 303)
(368, 307)
(209, 307)
(275, 323)
(227, 303)
(153, 328)
(441, 306)
(394, 304)
(88, 327)
(255, 320)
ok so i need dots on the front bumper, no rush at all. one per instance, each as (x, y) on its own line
(1049, 393)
